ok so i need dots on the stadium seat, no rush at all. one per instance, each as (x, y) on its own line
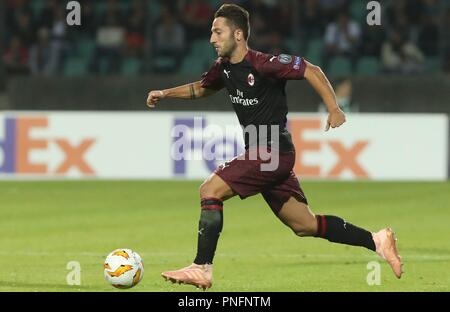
(339, 66)
(104, 66)
(162, 63)
(314, 51)
(204, 50)
(154, 9)
(100, 8)
(125, 5)
(75, 66)
(368, 66)
(192, 65)
(86, 48)
(433, 64)
(131, 67)
(293, 45)
(358, 11)
(315, 46)
(36, 7)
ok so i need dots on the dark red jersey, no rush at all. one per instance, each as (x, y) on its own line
(256, 87)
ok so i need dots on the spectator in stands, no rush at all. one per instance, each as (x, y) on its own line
(14, 8)
(259, 7)
(330, 8)
(53, 18)
(170, 38)
(197, 15)
(275, 44)
(135, 34)
(394, 10)
(48, 14)
(42, 62)
(283, 14)
(25, 28)
(260, 32)
(122, 33)
(311, 20)
(110, 42)
(88, 25)
(373, 37)
(342, 38)
(59, 39)
(113, 9)
(398, 15)
(15, 57)
(446, 40)
(428, 40)
(399, 55)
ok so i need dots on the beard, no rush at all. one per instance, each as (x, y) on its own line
(228, 48)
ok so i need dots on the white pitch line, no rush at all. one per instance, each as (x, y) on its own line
(405, 256)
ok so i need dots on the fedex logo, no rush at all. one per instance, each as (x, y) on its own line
(347, 156)
(18, 144)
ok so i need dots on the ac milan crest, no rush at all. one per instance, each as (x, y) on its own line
(251, 79)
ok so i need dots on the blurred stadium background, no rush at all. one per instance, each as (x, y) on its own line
(72, 101)
(135, 41)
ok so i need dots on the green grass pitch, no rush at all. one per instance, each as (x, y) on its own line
(44, 225)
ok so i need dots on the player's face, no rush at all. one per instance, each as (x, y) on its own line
(222, 37)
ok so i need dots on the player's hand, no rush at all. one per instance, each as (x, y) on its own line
(154, 97)
(335, 118)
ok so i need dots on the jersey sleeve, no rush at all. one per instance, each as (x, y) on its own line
(283, 66)
(212, 79)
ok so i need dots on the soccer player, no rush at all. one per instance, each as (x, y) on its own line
(256, 84)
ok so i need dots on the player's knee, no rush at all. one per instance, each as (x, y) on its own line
(303, 230)
(203, 189)
(207, 190)
(303, 234)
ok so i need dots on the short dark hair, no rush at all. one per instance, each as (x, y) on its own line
(237, 16)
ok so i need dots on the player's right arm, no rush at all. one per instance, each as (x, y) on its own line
(190, 91)
(211, 83)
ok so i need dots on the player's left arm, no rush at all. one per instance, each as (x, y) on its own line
(317, 79)
(291, 67)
